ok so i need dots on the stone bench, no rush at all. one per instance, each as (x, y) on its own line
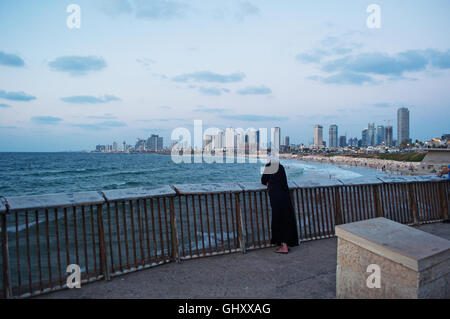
(411, 263)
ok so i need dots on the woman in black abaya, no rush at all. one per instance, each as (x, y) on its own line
(284, 224)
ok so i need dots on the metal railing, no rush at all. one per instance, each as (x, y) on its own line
(118, 231)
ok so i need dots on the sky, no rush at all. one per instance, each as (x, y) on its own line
(141, 67)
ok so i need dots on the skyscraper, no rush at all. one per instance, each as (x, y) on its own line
(380, 134)
(333, 136)
(276, 139)
(365, 137)
(402, 125)
(371, 134)
(343, 141)
(318, 136)
(286, 141)
(388, 136)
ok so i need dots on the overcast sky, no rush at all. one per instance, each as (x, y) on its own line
(142, 67)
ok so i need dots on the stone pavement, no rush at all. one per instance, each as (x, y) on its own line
(309, 271)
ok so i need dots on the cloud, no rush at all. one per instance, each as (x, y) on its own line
(345, 78)
(145, 62)
(16, 96)
(208, 76)
(359, 69)
(253, 90)
(159, 9)
(100, 125)
(46, 120)
(4, 105)
(439, 60)
(11, 60)
(253, 118)
(165, 107)
(382, 104)
(204, 109)
(116, 7)
(107, 116)
(88, 99)
(379, 63)
(246, 8)
(77, 65)
(210, 91)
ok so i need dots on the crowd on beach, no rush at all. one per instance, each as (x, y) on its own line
(388, 166)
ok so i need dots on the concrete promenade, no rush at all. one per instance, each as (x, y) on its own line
(309, 271)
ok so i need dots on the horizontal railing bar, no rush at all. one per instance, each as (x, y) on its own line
(32, 202)
(200, 189)
(138, 193)
(62, 200)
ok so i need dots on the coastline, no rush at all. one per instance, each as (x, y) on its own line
(387, 166)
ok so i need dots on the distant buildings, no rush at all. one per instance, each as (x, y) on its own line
(333, 136)
(402, 125)
(154, 143)
(388, 140)
(318, 136)
(380, 135)
(371, 134)
(365, 137)
(343, 141)
(276, 139)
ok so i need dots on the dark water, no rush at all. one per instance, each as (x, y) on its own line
(40, 173)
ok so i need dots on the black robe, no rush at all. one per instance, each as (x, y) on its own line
(284, 224)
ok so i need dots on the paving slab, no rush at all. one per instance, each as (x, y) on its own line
(309, 271)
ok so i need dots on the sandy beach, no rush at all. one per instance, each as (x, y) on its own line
(388, 166)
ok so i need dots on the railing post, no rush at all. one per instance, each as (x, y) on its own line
(443, 200)
(337, 208)
(102, 243)
(5, 255)
(413, 203)
(174, 229)
(240, 224)
(377, 198)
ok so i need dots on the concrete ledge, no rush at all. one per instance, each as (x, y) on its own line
(252, 186)
(137, 193)
(2, 205)
(194, 189)
(405, 245)
(21, 203)
(361, 181)
(413, 264)
(318, 183)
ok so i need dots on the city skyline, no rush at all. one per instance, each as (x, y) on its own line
(141, 67)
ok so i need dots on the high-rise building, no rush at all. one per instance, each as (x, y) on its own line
(380, 134)
(402, 125)
(318, 136)
(365, 137)
(155, 143)
(343, 141)
(388, 141)
(371, 134)
(114, 146)
(275, 142)
(333, 136)
(286, 141)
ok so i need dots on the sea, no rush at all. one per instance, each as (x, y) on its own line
(49, 173)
